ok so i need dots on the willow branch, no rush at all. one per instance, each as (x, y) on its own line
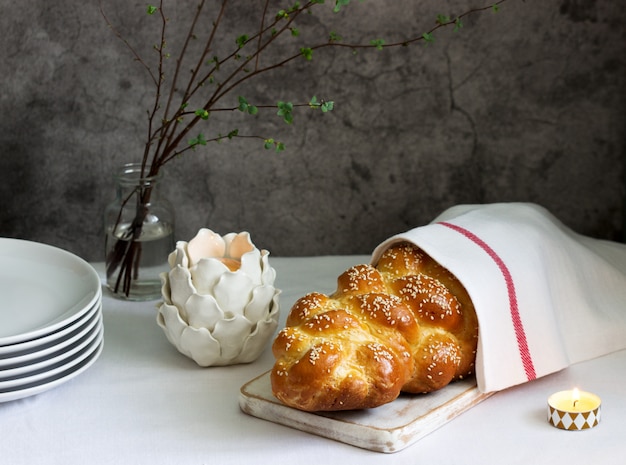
(173, 142)
(127, 44)
(157, 100)
(190, 90)
(260, 39)
(179, 61)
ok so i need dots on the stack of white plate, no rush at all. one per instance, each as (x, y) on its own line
(50, 317)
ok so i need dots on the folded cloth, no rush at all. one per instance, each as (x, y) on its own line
(545, 296)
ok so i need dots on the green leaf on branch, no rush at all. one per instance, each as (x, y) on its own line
(333, 37)
(295, 32)
(151, 9)
(307, 53)
(243, 104)
(495, 8)
(322, 104)
(339, 4)
(285, 109)
(216, 61)
(443, 19)
(269, 143)
(457, 24)
(200, 140)
(245, 107)
(428, 37)
(202, 113)
(233, 133)
(378, 43)
(241, 40)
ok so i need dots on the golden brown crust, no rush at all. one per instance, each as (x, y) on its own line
(405, 325)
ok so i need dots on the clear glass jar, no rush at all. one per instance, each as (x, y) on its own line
(139, 234)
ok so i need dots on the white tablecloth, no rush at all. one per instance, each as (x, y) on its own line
(143, 402)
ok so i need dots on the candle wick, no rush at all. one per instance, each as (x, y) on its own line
(575, 402)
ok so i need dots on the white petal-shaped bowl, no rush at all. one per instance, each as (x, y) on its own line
(233, 341)
(214, 315)
(233, 292)
(205, 244)
(238, 244)
(206, 273)
(204, 312)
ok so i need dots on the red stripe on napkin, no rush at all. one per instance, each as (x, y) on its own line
(520, 333)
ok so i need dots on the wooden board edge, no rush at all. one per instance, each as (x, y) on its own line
(383, 440)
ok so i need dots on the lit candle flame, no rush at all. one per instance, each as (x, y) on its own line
(575, 396)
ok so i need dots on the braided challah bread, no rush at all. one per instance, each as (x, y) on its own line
(406, 324)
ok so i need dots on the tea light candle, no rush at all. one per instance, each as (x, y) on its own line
(574, 410)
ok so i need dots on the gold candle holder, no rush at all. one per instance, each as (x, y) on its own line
(574, 410)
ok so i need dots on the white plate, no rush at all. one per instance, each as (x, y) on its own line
(54, 372)
(43, 288)
(57, 357)
(27, 352)
(54, 380)
(26, 379)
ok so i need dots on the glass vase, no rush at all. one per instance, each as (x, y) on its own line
(139, 234)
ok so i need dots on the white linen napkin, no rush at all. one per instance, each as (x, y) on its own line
(545, 296)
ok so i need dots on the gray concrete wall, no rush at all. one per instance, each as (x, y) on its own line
(524, 105)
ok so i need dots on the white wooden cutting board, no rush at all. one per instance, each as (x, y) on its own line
(388, 428)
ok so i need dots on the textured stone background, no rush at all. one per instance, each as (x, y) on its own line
(528, 104)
